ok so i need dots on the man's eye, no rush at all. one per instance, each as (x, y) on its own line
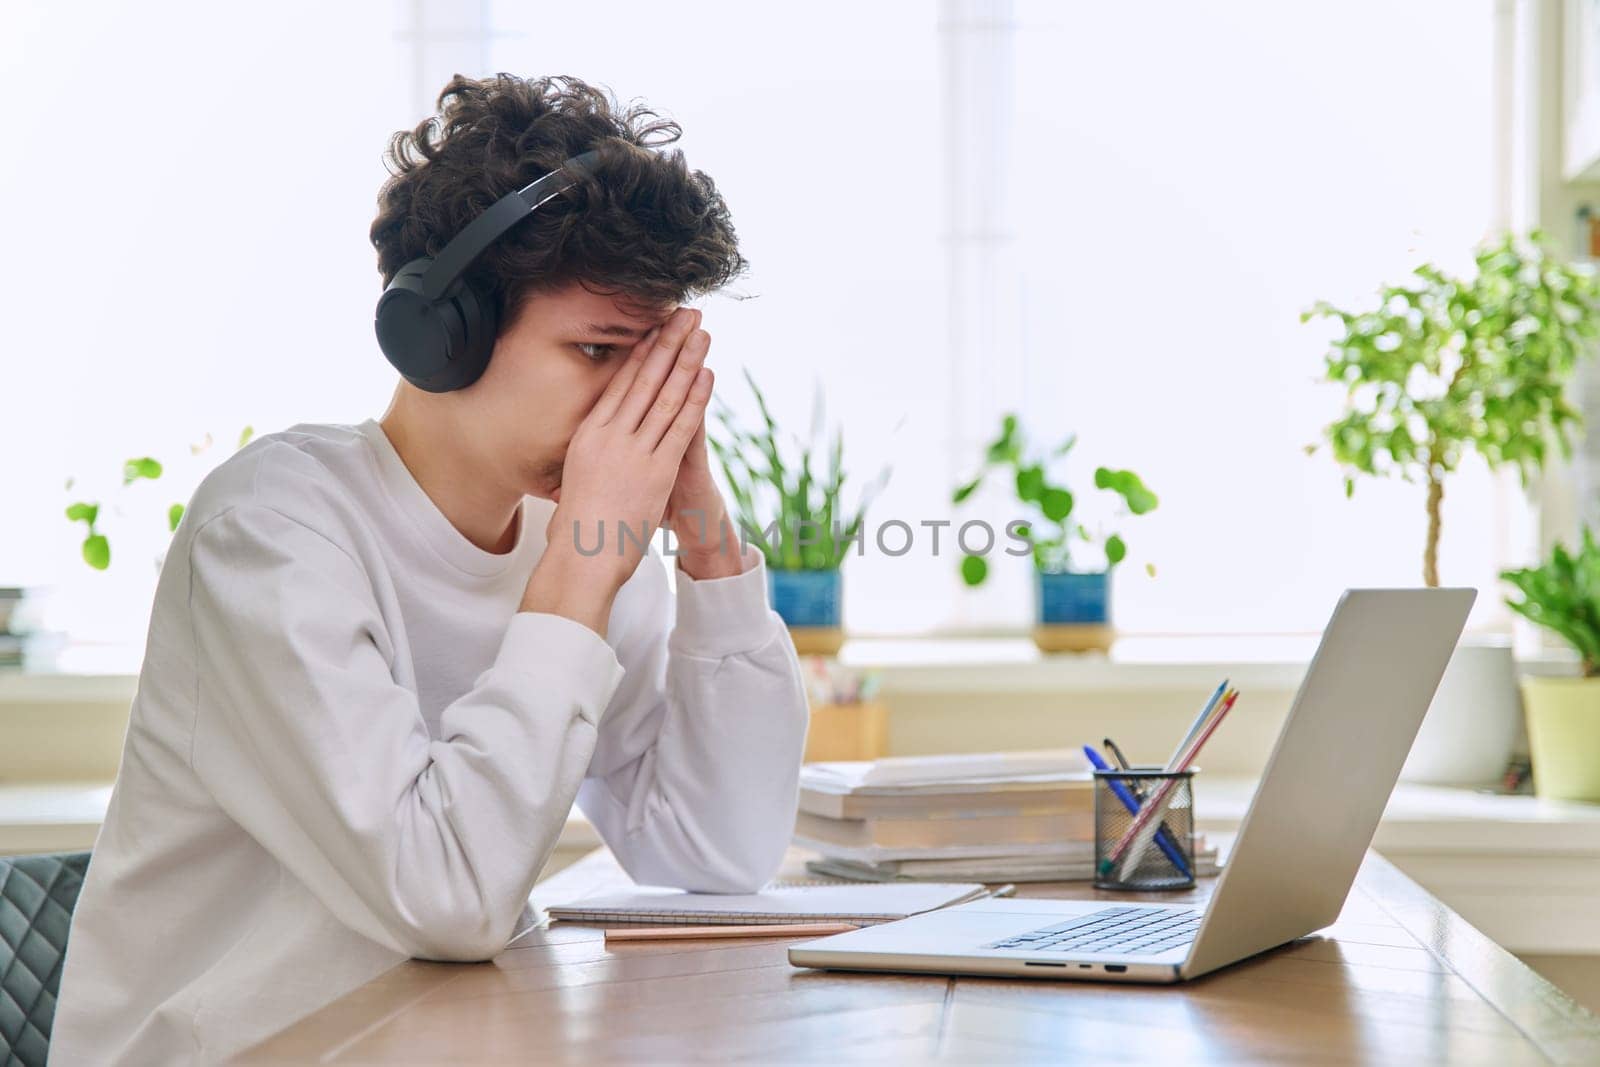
(600, 353)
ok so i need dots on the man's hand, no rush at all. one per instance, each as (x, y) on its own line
(708, 545)
(620, 468)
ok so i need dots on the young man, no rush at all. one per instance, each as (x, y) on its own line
(385, 659)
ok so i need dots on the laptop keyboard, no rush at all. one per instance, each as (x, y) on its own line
(1131, 931)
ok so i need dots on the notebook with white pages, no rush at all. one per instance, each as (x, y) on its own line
(946, 772)
(862, 904)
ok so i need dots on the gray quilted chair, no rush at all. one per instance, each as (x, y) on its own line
(37, 894)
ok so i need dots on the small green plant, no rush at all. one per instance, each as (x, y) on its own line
(1055, 531)
(96, 547)
(1563, 595)
(796, 517)
(1448, 365)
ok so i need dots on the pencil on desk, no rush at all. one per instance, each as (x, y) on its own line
(696, 933)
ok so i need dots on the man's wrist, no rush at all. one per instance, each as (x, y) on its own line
(725, 564)
(711, 551)
(567, 583)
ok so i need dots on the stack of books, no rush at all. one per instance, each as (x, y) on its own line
(986, 817)
(23, 643)
(13, 631)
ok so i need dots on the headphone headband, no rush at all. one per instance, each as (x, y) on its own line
(482, 231)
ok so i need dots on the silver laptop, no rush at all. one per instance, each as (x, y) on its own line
(1297, 852)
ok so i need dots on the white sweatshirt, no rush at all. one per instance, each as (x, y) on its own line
(349, 747)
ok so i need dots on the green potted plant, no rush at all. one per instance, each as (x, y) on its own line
(1435, 370)
(1563, 596)
(795, 516)
(1072, 563)
(96, 548)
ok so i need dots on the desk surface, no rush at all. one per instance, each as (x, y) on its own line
(1399, 978)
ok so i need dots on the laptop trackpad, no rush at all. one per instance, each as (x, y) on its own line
(960, 928)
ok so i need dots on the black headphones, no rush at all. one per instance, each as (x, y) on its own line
(432, 325)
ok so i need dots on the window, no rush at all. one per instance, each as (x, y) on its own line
(189, 189)
(1184, 183)
(1102, 217)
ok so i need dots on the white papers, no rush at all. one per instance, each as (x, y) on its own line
(970, 769)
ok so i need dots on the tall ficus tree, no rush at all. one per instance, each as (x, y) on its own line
(1449, 365)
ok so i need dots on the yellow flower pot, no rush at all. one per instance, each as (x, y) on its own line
(848, 732)
(1564, 734)
(816, 640)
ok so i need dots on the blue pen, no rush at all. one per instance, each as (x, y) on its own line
(1163, 839)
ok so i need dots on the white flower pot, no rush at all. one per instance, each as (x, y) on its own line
(1472, 723)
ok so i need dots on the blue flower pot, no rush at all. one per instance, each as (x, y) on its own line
(805, 598)
(808, 602)
(1073, 612)
(1067, 598)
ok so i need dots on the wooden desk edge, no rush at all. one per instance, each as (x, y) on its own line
(1540, 1010)
(1558, 1026)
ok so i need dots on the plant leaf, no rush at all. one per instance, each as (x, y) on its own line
(1126, 484)
(144, 467)
(97, 551)
(964, 491)
(1056, 504)
(1006, 448)
(1030, 483)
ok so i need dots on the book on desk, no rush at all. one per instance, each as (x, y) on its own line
(984, 817)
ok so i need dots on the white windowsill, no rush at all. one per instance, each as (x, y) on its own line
(907, 666)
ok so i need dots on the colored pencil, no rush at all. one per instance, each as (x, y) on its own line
(1154, 809)
(1199, 721)
(697, 933)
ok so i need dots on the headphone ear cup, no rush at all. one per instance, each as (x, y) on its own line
(472, 329)
(412, 333)
(439, 345)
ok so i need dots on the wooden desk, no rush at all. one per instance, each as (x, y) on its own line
(1398, 979)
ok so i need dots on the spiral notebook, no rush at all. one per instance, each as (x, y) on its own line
(778, 903)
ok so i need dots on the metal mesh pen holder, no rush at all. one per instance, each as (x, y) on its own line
(1161, 856)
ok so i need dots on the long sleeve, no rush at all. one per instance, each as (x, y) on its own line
(306, 740)
(695, 777)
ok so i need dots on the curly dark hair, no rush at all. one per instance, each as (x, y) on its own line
(642, 227)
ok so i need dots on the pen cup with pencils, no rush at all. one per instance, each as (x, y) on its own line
(1144, 829)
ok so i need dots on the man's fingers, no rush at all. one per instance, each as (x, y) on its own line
(671, 398)
(699, 438)
(691, 415)
(657, 365)
(605, 409)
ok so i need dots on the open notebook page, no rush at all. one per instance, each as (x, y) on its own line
(867, 903)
